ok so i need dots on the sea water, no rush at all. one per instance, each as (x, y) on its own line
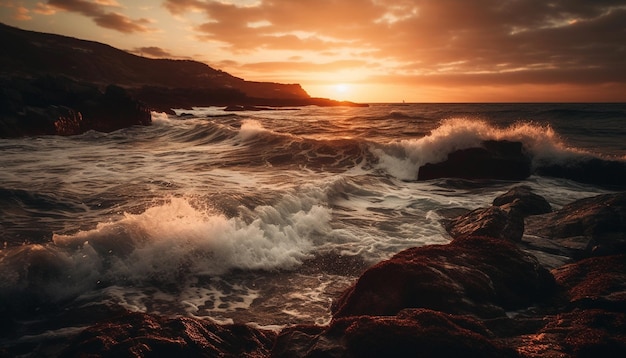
(260, 217)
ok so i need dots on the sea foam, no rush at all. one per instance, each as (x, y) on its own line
(403, 158)
(175, 238)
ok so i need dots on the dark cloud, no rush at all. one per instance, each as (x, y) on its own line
(443, 41)
(102, 17)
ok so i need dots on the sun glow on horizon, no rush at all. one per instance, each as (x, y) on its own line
(342, 88)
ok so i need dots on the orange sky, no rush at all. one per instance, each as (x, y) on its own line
(370, 50)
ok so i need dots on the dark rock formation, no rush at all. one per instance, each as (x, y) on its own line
(610, 173)
(492, 221)
(61, 106)
(593, 226)
(504, 220)
(523, 201)
(142, 335)
(473, 275)
(493, 160)
(411, 333)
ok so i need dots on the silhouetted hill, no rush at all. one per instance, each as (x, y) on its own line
(161, 83)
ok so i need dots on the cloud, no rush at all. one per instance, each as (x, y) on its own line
(445, 41)
(152, 51)
(19, 12)
(98, 13)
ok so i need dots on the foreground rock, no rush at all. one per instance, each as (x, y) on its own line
(589, 227)
(61, 106)
(410, 333)
(141, 335)
(474, 275)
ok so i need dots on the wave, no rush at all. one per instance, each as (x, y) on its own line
(168, 244)
(402, 159)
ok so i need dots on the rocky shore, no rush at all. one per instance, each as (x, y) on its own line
(58, 105)
(518, 279)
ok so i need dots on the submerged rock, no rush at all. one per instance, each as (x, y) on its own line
(610, 173)
(493, 160)
(473, 275)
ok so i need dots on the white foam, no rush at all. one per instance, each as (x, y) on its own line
(174, 239)
(251, 128)
(402, 159)
(160, 117)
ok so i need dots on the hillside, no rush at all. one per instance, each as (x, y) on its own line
(160, 83)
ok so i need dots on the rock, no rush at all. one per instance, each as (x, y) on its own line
(580, 333)
(503, 220)
(492, 221)
(588, 227)
(61, 106)
(501, 159)
(523, 201)
(411, 333)
(596, 171)
(597, 282)
(472, 275)
(143, 335)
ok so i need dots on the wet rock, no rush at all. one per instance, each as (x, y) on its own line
(580, 333)
(492, 221)
(501, 159)
(588, 227)
(411, 333)
(597, 282)
(523, 201)
(142, 335)
(503, 220)
(472, 275)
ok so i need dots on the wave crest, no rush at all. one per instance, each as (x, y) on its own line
(402, 159)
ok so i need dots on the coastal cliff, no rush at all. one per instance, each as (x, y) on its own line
(65, 63)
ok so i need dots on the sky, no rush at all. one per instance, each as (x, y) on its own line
(369, 50)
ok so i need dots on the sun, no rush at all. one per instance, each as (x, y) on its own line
(342, 88)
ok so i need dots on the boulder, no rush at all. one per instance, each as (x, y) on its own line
(492, 221)
(523, 201)
(473, 275)
(501, 159)
(503, 220)
(410, 333)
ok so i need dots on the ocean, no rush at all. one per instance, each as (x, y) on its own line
(259, 217)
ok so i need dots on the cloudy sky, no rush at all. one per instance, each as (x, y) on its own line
(370, 50)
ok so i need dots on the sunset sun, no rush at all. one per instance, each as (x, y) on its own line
(342, 88)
